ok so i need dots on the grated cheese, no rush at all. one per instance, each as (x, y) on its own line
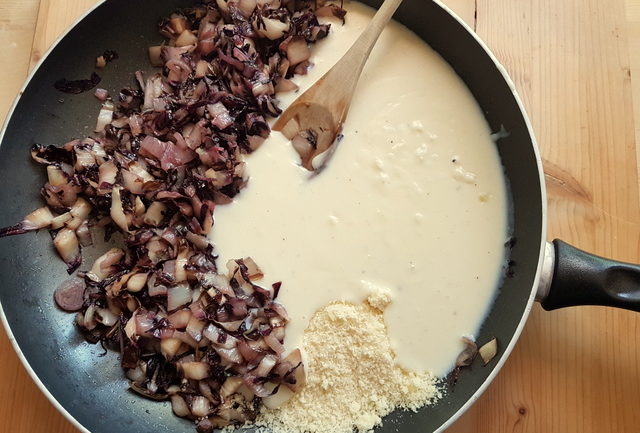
(352, 376)
(380, 297)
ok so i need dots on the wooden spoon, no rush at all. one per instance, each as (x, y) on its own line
(314, 120)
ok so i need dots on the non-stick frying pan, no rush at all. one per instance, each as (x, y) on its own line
(90, 390)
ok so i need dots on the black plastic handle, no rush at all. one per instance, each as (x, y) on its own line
(580, 278)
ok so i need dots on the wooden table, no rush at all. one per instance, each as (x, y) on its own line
(576, 370)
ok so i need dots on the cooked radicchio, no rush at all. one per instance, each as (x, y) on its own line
(165, 154)
(107, 57)
(77, 86)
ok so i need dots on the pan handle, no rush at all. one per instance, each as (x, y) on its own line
(580, 278)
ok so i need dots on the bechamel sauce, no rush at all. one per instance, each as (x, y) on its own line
(413, 201)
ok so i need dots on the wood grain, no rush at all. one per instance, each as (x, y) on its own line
(574, 370)
(465, 9)
(632, 8)
(23, 407)
(573, 62)
(17, 24)
(54, 18)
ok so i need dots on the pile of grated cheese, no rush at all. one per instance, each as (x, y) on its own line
(352, 376)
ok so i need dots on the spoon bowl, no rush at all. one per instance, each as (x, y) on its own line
(313, 122)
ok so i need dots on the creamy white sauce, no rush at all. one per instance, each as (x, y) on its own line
(412, 202)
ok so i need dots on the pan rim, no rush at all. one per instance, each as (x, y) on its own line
(536, 281)
(3, 318)
(543, 241)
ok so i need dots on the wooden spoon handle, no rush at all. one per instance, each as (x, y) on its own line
(350, 66)
(368, 38)
(324, 106)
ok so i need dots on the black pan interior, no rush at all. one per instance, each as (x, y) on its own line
(90, 387)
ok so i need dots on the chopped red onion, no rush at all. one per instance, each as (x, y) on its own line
(101, 94)
(70, 295)
(166, 152)
(178, 296)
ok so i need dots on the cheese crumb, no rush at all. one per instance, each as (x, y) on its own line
(380, 298)
(352, 376)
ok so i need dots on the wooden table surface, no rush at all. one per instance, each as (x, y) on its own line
(573, 61)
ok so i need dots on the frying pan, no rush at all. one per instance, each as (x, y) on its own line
(89, 389)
